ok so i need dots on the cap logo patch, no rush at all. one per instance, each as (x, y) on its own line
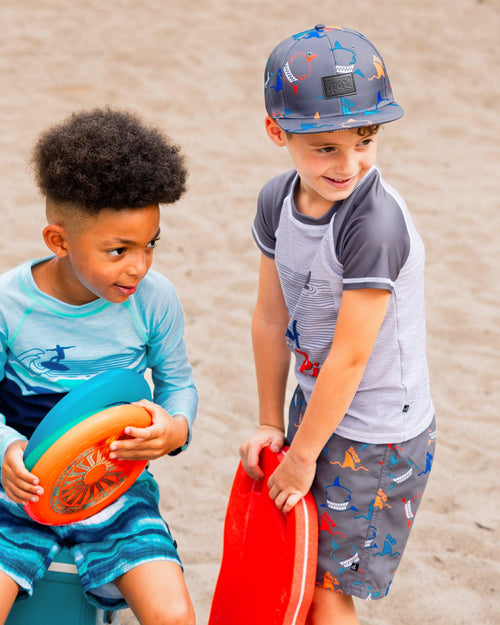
(339, 85)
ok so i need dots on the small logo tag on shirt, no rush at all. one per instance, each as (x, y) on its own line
(339, 85)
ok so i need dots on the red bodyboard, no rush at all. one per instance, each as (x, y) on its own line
(268, 569)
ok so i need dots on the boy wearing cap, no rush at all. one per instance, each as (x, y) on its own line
(341, 287)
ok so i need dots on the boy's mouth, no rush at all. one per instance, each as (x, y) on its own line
(126, 290)
(340, 183)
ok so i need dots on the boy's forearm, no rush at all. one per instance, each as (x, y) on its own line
(272, 363)
(182, 432)
(7, 436)
(333, 393)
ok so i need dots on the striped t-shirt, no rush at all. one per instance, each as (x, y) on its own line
(365, 241)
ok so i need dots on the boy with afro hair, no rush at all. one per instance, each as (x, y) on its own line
(95, 303)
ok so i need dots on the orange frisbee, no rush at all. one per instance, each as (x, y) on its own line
(78, 477)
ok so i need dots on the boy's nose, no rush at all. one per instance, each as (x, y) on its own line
(346, 164)
(138, 266)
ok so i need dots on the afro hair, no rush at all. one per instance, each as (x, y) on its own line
(105, 158)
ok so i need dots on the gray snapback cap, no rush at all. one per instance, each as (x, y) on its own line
(328, 78)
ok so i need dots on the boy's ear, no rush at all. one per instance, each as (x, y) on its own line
(56, 240)
(275, 133)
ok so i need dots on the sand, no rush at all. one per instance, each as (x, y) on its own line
(195, 69)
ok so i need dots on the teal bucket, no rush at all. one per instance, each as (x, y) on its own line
(59, 599)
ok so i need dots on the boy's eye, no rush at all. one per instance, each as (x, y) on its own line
(153, 242)
(326, 150)
(118, 251)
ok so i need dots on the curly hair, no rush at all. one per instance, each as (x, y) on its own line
(106, 158)
(368, 131)
(363, 131)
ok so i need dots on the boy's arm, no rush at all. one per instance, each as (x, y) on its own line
(19, 484)
(13, 473)
(174, 387)
(175, 398)
(272, 363)
(359, 320)
(7, 436)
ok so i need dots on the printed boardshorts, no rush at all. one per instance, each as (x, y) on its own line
(128, 532)
(367, 496)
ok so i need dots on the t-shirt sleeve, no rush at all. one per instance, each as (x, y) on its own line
(7, 435)
(174, 386)
(373, 242)
(269, 205)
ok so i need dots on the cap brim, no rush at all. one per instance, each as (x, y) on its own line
(389, 113)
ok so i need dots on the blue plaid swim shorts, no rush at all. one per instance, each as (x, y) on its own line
(127, 533)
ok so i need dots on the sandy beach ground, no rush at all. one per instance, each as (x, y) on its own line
(195, 69)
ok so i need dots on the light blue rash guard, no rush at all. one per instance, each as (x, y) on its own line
(48, 347)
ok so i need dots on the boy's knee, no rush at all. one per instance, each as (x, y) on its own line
(182, 614)
(178, 612)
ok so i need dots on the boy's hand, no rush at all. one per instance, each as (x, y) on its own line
(20, 485)
(266, 436)
(164, 435)
(290, 481)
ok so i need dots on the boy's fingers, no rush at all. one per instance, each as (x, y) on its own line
(20, 473)
(291, 501)
(255, 473)
(143, 433)
(150, 406)
(132, 449)
(23, 494)
(284, 500)
(250, 456)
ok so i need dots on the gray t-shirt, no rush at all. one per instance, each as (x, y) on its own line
(365, 241)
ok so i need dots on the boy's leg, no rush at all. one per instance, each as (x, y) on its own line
(332, 608)
(157, 594)
(8, 594)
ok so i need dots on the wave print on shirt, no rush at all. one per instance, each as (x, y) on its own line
(36, 362)
(312, 301)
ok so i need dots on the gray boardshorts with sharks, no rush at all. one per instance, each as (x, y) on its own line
(367, 496)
